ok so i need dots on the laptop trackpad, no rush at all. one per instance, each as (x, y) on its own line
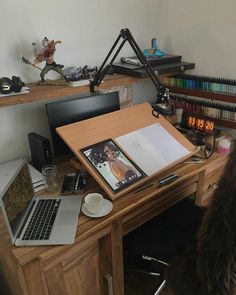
(67, 217)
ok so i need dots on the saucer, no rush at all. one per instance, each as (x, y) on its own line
(106, 209)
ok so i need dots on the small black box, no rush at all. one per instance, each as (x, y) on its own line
(40, 150)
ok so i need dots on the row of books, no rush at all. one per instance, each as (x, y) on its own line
(224, 111)
(211, 84)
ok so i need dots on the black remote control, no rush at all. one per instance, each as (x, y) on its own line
(74, 182)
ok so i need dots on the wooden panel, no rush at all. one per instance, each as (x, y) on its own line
(35, 281)
(105, 262)
(55, 281)
(77, 275)
(117, 257)
(84, 133)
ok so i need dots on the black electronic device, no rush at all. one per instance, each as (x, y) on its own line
(8, 85)
(159, 69)
(76, 109)
(112, 164)
(153, 60)
(74, 182)
(40, 150)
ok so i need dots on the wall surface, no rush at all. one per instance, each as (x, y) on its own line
(201, 31)
(87, 30)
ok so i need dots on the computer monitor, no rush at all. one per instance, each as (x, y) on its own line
(76, 109)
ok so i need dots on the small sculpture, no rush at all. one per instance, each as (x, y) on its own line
(46, 53)
(79, 73)
(154, 50)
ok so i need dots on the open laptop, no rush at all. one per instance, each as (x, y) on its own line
(26, 215)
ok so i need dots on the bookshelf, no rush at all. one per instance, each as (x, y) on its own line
(220, 98)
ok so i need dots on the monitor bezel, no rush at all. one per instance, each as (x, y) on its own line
(59, 146)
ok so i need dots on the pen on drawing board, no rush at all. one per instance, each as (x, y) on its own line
(168, 179)
(195, 162)
(77, 182)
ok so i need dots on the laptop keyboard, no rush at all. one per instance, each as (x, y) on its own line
(41, 223)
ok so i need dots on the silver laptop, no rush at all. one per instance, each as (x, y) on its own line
(31, 220)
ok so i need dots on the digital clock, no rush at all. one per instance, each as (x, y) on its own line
(200, 124)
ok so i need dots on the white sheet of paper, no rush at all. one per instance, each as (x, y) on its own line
(152, 148)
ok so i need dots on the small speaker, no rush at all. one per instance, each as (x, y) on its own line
(40, 150)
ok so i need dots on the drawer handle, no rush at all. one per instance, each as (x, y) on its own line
(109, 279)
(212, 186)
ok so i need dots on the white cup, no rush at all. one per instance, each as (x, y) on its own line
(93, 202)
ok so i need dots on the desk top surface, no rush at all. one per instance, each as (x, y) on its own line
(91, 228)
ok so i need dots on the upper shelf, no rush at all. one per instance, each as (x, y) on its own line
(38, 93)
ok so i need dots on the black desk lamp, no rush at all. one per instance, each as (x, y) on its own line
(162, 105)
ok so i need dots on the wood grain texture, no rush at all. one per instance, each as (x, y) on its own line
(39, 92)
(84, 133)
(97, 250)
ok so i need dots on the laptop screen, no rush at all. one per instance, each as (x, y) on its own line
(18, 197)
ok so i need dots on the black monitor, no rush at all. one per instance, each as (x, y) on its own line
(76, 109)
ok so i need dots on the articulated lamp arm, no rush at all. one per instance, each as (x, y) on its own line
(162, 104)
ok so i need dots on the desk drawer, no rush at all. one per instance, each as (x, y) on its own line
(159, 204)
(210, 184)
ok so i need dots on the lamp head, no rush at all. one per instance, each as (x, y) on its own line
(162, 105)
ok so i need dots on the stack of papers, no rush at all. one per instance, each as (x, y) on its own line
(37, 179)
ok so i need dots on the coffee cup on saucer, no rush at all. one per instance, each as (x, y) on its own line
(94, 202)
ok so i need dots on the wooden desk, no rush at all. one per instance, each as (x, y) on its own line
(95, 259)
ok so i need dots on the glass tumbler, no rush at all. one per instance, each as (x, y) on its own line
(49, 173)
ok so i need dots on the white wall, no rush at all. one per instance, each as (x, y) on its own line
(87, 30)
(201, 31)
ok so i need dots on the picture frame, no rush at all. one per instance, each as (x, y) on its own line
(112, 164)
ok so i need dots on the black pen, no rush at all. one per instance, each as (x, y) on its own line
(77, 182)
(168, 179)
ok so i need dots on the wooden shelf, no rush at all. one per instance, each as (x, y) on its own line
(39, 93)
(211, 96)
(204, 94)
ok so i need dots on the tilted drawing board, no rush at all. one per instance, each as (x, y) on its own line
(133, 130)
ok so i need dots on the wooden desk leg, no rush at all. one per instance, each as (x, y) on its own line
(199, 190)
(117, 257)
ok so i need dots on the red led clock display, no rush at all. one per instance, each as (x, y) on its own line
(200, 124)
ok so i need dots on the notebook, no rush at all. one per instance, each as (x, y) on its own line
(31, 220)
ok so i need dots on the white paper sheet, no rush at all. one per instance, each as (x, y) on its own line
(152, 148)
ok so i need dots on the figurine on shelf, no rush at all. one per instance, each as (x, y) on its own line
(79, 73)
(154, 50)
(46, 53)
